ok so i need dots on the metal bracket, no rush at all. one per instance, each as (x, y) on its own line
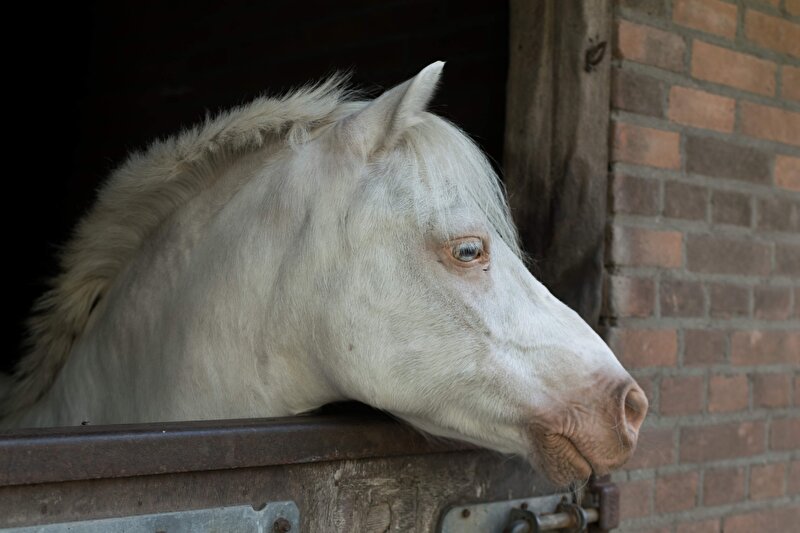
(275, 517)
(604, 495)
(530, 515)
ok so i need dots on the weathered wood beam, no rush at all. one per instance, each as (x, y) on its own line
(556, 142)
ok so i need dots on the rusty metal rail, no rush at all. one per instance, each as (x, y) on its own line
(95, 452)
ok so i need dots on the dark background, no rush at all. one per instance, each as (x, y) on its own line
(87, 83)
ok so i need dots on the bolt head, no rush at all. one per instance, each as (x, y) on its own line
(281, 525)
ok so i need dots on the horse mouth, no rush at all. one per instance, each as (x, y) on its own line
(563, 461)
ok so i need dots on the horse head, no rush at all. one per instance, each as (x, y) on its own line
(416, 299)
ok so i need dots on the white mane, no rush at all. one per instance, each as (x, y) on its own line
(152, 184)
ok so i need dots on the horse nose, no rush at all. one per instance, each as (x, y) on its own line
(634, 409)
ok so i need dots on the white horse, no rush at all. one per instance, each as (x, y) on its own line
(314, 248)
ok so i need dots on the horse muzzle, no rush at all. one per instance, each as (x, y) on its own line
(594, 433)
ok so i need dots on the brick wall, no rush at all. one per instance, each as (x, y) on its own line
(703, 285)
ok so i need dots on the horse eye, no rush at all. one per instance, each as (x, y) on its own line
(468, 251)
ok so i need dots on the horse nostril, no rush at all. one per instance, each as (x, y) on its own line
(635, 408)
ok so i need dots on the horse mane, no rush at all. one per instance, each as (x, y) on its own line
(134, 201)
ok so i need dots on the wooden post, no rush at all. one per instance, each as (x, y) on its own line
(556, 142)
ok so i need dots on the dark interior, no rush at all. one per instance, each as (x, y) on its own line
(88, 82)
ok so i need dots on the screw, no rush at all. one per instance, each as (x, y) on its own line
(465, 513)
(281, 525)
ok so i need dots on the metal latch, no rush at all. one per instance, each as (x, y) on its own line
(567, 516)
(598, 513)
(274, 517)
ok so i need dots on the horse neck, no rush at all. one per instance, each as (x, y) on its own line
(258, 258)
(211, 304)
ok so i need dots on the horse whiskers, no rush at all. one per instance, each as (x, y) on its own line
(576, 488)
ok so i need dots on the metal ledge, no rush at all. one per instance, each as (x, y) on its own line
(92, 452)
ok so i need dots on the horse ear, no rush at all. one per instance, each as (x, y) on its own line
(383, 120)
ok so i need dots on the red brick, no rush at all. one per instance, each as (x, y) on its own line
(645, 44)
(721, 159)
(731, 208)
(722, 486)
(701, 109)
(793, 7)
(641, 348)
(637, 93)
(676, 492)
(728, 300)
(771, 32)
(724, 255)
(772, 390)
(655, 448)
(682, 200)
(787, 259)
(766, 481)
(793, 478)
(723, 441)
(783, 519)
(765, 347)
(797, 302)
(796, 400)
(637, 196)
(635, 498)
(784, 434)
(771, 123)
(787, 172)
(704, 526)
(727, 393)
(791, 82)
(704, 347)
(711, 16)
(724, 66)
(778, 213)
(772, 303)
(681, 298)
(646, 146)
(646, 247)
(628, 296)
(682, 395)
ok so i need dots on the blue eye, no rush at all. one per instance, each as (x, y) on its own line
(468, 251)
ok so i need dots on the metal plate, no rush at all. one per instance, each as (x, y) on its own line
(242, 519)
(492, 517)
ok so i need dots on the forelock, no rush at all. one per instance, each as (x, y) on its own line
(453, 171)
